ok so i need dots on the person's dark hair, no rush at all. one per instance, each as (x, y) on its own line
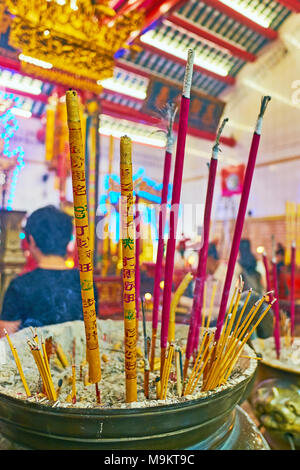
(51, 230)
(247, 260)
(212, 251)
(280, 249)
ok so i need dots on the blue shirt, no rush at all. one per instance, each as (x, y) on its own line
(44, 297)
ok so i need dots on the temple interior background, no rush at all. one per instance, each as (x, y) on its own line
(126, 59)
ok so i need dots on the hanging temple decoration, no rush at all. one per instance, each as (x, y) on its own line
(78, 37)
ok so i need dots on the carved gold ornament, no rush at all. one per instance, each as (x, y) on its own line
(74, 36)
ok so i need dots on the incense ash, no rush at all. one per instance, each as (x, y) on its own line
(289, 359)
(112, 384)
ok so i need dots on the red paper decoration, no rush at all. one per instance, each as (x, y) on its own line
(232, 179)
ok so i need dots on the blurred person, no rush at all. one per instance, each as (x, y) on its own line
(216, 270)
(248, 265)
(50, 293)
(281, 271)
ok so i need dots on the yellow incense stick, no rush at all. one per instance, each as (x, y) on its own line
(178, 373)
(45, 356)
(204, 359)
(203, 307)
(167, 369)
(18, 363)
(193, 373)
(128, 249)
(61, 355)
(73, 384)
(175, 300)
(82, 236)
(206, 356)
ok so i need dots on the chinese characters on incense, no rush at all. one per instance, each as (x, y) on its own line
(83, 236)
(128, 236)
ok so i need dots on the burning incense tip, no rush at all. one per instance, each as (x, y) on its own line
(216, 146)
(264, 103)
(187, 81)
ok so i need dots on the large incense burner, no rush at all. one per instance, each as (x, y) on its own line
(276, 394)
(204, 420)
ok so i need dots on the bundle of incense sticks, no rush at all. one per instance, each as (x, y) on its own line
(128, 247)
(85, 257)
(177, 182)
(40, 357)
(215, 361)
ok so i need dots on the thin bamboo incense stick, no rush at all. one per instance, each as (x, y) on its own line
(265, 261)
(292, 293)
(177, 182)
(178, 371)
(128, 235)
(197, 363)
(18, 363)
(241, 216)
(179, 292)
(206, 357)
(167, 373)
(161, 228)
(45, 355)
(276, 309)
(82, 236)
(196, 314)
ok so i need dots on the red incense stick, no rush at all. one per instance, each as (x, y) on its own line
(137, 260)
(241, 217)
(196, 314)
(268, 281)
(177, 181)
(276, 309)
(161, 229)
(293, 268)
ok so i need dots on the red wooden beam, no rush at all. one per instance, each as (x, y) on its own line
(132, 68)
(292, 5)
(130, 114)
(267, 32)
(156, 10)
(125, 112)
(227, 79)
(212, 37)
